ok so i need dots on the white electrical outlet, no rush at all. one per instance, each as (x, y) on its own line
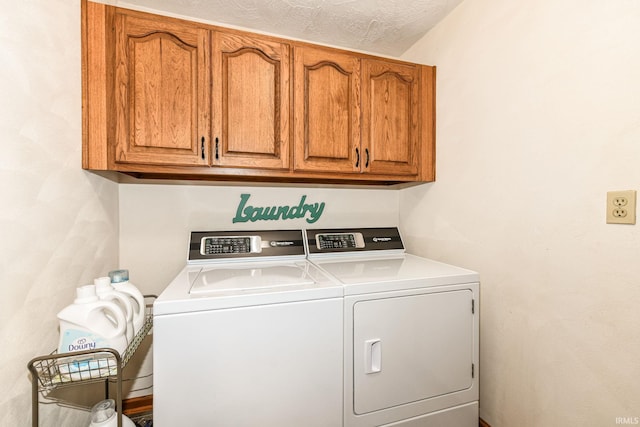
(621, 207)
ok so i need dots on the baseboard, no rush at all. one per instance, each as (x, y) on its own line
(144, 404)
(137, 405)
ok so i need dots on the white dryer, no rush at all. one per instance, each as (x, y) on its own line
(410, 331)
(248, 334)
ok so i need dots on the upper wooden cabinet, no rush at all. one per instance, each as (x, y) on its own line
(169, 98)
(164, 96)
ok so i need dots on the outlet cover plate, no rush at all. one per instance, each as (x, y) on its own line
(621, 207)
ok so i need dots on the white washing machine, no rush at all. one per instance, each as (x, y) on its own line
(410, 331)
(248, 334)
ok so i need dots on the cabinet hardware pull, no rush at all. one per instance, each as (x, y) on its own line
(202, 147)
(357, 157)
(217, 155)
(366, 163)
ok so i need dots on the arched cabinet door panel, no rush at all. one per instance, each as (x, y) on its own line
(391, 117)
(251, 100)
(161, 91)
(326, 111)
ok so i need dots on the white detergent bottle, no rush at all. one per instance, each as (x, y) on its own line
(90, 323)
(120, 281)
(103, 414)
(106, 292)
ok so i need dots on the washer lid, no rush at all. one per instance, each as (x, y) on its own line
(243, 284)
(234, 278)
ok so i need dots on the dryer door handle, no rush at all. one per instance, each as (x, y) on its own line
(372, 356)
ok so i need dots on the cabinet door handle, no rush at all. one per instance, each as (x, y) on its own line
(366, 163)
(357, 157)
(202, 147)
(217, 155)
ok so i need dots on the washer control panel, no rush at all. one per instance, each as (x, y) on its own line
(213, 245)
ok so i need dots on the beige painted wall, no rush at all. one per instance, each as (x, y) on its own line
(58, 224)
(538, 116)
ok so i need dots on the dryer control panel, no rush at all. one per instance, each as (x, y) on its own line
(353, 240)
(339, 240)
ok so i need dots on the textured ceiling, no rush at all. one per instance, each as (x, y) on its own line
(379, 26)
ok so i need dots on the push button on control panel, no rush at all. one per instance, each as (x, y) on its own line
(337, 241)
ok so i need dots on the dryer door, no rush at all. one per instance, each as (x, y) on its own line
(411, 348)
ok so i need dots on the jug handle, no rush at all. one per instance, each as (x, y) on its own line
(121, 321)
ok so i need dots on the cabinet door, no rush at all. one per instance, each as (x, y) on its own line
(162, 91)
(390, 117)
(251, 96)
(327, 111)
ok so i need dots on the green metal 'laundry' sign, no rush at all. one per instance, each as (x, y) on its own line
(245, 212)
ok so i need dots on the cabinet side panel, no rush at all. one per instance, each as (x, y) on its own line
(428, 124)
(94, 86)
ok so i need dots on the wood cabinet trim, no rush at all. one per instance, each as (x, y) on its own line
(428, 124)
(95, 78)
